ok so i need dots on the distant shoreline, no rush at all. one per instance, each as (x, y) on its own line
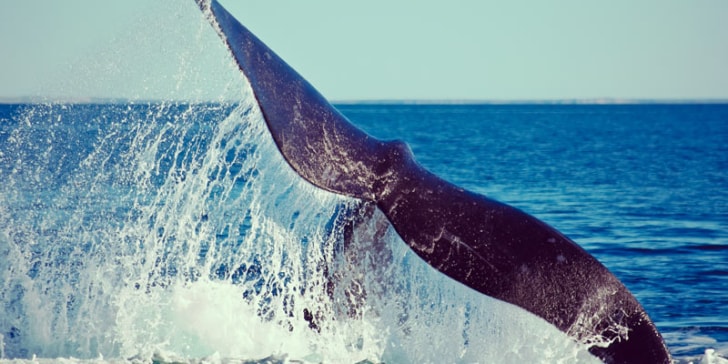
(599, 101)
(536, 102)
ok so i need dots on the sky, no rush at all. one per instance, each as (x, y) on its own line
(420, 50)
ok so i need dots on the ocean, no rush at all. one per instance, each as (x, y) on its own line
(170, 231)
(644, 188)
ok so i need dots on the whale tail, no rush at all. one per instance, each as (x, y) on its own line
(487, 245)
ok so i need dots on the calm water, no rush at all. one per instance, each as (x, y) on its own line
(642, 187)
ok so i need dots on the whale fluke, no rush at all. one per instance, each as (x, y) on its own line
(489, 246)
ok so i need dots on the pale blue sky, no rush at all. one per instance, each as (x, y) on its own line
(425, 49)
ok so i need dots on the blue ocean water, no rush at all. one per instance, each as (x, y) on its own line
(106, 208)
(644, 188)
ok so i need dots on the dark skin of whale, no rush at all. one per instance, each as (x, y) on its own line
(489, 246)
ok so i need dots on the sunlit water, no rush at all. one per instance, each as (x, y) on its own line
(174, 231)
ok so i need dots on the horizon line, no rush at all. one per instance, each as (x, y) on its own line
(393, 101)
(546, 101)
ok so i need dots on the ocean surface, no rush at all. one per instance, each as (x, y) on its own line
(174, 231)
(644, 188)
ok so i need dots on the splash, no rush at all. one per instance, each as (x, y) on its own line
(133, 230)
(145, 230)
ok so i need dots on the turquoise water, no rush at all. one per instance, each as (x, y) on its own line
(175, 230)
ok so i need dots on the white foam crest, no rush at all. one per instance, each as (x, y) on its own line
(690, 342)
